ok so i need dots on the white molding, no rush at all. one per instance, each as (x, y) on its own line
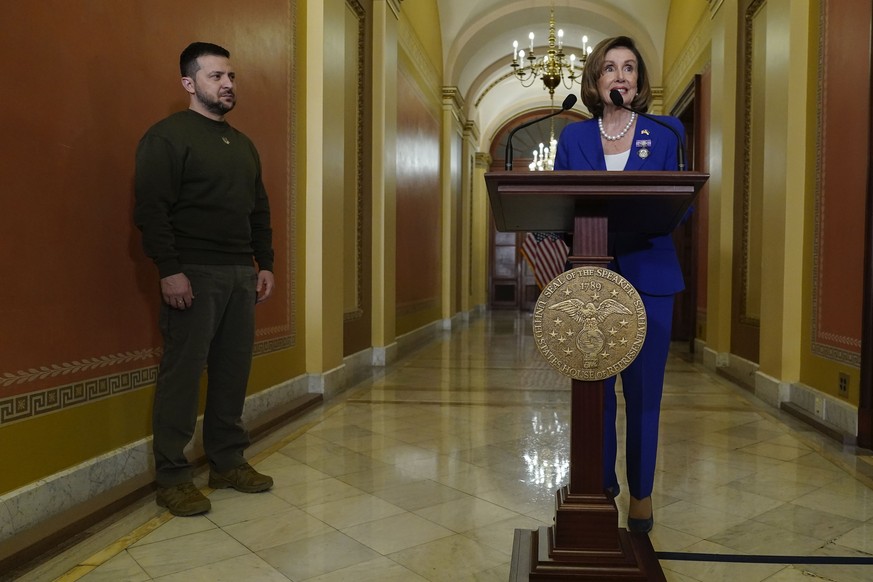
(714, 6)
(394, 5)
(385, 355)
(714, 360)
(411, 46)
(28, 506)
(771, 390)
(829, 409)
(690, 54)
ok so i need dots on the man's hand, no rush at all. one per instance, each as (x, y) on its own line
(265, 285)
(176, 291)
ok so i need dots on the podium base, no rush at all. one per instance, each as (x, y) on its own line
(535, 558)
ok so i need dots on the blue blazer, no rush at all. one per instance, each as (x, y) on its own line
(648, 262)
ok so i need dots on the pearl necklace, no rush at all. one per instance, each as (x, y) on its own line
(608, 137)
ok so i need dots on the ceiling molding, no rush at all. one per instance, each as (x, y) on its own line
(417, 55)
(394, 5)
(714, 6)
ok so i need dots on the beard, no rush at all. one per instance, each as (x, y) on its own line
(215, 106)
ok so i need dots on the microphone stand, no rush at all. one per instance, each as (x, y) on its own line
(569, 101)
(618, 101)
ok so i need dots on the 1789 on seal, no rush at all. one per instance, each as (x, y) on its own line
(589, 323)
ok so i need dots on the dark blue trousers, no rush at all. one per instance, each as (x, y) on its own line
(642, 385)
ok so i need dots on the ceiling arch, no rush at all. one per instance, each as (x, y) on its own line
(477, 40)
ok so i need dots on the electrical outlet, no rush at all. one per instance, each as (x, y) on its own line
(844, 385)
(819, 406)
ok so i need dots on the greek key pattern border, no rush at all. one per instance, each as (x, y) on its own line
(274, 345)
(27, 406)
(836, 354)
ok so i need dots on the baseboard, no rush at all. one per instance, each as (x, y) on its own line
(820, 425)
(62, 530)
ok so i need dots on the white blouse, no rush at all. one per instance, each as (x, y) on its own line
(616, 162)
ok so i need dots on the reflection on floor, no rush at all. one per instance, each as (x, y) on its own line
(425, 471)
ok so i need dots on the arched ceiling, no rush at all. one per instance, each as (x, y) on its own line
(477, 40)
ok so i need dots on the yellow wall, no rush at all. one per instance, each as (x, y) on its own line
(782, 97)
(424, 17)
(681, 23)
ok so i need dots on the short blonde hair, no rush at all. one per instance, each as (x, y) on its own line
(594, 68)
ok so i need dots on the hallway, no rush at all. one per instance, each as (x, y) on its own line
(423, 473)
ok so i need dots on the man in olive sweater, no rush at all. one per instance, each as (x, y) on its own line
(205, 220)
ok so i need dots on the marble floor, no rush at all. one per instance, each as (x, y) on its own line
(423, 473)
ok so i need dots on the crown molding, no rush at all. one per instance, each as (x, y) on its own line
(394, 5)
(714, 6)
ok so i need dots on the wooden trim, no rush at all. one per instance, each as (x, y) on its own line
(865, 402)
(686, 237)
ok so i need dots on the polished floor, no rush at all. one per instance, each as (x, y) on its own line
(424, 472)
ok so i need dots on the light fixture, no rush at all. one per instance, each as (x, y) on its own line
(544, 157)
(554, 67)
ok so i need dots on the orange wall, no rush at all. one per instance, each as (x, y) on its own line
(835, 213)
(844, 162)
(78, 303)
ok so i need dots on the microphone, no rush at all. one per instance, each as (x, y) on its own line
(569, 102)
(618, 101)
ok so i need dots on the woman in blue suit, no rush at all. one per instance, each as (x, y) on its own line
(617, 139)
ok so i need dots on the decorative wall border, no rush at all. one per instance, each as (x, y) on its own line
(395, 7)
(361, 14)
(748, 21)
(714, 6)
(414, 50)
(823, 350)
(692, 51)
(76, 366)
(25, 508)
(32, 404)
(27, 406)
(290, 327)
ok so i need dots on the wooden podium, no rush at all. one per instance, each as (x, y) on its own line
(586, 542)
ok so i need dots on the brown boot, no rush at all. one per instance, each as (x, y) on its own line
(183, 499)
(243, 478)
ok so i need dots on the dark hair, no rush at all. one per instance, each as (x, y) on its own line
(188, 65)
(594, 68)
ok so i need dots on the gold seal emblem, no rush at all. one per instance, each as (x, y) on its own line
(589, 323)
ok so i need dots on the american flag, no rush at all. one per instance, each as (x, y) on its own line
(546, 253)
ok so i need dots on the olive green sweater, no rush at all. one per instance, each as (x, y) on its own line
(199, 195)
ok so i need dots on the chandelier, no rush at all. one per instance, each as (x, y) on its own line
(544, 156)
(554, 67)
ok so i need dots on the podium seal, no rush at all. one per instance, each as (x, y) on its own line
(589, 323)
